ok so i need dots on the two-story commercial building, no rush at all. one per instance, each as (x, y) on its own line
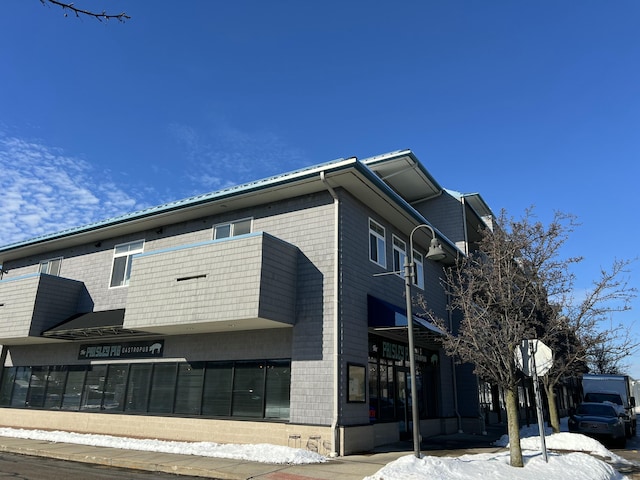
(271, 312)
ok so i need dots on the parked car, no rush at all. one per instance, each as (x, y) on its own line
(601, 421)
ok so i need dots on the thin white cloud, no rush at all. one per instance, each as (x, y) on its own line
(45, 191)
(225, 155)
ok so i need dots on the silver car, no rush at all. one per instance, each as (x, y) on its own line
(600, 421)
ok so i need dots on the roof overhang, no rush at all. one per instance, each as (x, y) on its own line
(92, 325)
(403, 172)
(362, 179)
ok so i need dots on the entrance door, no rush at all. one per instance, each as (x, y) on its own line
(403, 396)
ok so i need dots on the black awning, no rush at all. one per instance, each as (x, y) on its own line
(105, 323)
(391, 321)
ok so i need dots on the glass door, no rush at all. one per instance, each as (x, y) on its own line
(403, 396)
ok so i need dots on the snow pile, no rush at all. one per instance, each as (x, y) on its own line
(495, 466)
(530, 440)
(578, 466)
(570, 465)
(264, 453)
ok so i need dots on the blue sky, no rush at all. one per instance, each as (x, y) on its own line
(527, 103)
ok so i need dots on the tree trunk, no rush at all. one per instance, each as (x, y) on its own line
(513, 428)
(554, 416)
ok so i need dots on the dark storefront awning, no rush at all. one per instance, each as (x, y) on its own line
(106, 323)
(390, 321)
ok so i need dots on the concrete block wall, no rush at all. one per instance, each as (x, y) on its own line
(172, 428)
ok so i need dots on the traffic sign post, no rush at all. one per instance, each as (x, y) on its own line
(535, 359)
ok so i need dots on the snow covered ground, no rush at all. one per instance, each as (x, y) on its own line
(572, 465)
(255, 453)
(494, 466)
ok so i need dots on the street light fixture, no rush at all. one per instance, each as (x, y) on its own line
(435, 253)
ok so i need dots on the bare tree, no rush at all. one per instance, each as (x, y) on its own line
(70, 7)
(582, 334)
(500, 303)
(609, 356)
(515, 286)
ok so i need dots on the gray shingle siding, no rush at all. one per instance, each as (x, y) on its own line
(34, 303)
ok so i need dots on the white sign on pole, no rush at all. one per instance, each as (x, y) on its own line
(535, 359)
(534, 352)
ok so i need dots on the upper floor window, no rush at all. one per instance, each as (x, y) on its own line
(377, 245)
(232, 229)
(399, 254)
(122, 258)
(418, 270)
(51, 266)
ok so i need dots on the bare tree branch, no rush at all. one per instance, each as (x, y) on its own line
(121, 17)
(515, 286)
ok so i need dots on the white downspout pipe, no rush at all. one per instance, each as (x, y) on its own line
(335, 441)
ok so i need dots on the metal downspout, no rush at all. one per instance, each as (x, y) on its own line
(466, 252)
(335, 441)
(464, 225)
(453, 374)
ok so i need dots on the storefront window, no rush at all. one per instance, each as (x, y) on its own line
(55, 387)
(114, 389)
(278, 387)
(37, 385)
(373, 389)
(8, 380)
(261, 389)
(138, 387)
(248, 389)
(216, 398)
(73, 388)
(189, 388)
(389, 381)
(163, 385)
(21, 386)
(93, 387)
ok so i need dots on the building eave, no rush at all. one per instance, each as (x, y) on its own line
(351, 174)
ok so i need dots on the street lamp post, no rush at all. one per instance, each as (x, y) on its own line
(435, 253)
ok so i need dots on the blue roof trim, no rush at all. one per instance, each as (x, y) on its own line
(21, 277)
(198, 244)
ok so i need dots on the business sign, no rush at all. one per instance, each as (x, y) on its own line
(399, 352)
(148, 349)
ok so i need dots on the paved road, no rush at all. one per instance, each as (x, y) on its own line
(632, 453)
(25, 467)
